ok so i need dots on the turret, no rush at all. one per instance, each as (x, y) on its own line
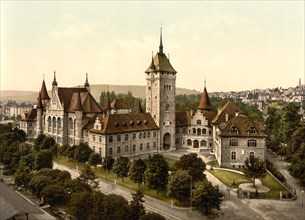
(205, 104)
(87, 86)
(78, 120)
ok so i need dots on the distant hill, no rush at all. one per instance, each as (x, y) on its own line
(137, 91)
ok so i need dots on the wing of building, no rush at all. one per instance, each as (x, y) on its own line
(72, 116)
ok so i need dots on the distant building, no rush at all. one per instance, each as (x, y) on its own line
(72, 116)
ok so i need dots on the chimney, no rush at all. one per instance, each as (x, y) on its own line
(236, 113)
(227, 117)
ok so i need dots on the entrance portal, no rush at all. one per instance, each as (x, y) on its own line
(166, 141)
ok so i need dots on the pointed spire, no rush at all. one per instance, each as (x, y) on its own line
(39, 104)
(44, 92)
(152, 65)
(107, 102)
(86, 83)
(205, 104)
(161, 45)
(54, 80)
(139, 108)
(78, 102)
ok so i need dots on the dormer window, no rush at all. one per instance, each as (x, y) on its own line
(234, 130)
(252, 130)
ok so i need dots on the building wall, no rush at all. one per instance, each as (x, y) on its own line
(242, 151)
(124, 144)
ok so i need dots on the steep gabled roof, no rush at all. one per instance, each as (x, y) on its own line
(44, 92)
(107, 102)
(230, 108)
(31, 116)
(183, 118)
(205, 103)
(69, 97)
(122, 123)
(161, 64)
(39, 103)
(242, 123)
(119, 104)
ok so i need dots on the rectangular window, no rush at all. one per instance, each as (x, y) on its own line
(118, 137)
(100, 138)
(93, 137)
(134, 136)
(126, 137)
(155, 134)
(110, 139)
(148, 134)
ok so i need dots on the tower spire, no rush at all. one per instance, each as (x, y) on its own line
(161, 45)
(54, 80)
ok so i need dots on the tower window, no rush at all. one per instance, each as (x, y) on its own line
(149, 88)
(166, 107)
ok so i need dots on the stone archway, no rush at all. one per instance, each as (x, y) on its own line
(166, 141)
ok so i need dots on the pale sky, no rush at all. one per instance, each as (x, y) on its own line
(235, 45)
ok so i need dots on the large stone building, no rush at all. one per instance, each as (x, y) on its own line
(72, 116)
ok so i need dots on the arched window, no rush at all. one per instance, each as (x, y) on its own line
(252, 130)
(100, 150)
(58, 123)
(147, 146)
(140, 135)
(110, 151)
(189, 142)
(54, 125)
(70, 124)
(144, 134)
(166, 107)
(204, 131)
(196, 144)
(134, 147)
(154, 144)
(148, 134)
(198, 131)
(126, 148)
(234, 130)
(203, 143)
(198, 122)
(233, 142)
(141, 146)
(252, 143)
(170, 87)
(233, 155)
(252, 154)
(194, 130)
(118, 150)
(49, 124)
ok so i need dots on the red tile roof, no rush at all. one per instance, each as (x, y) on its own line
(31, 116)
(119, 104)
(122, 123)
(44, 92)
(205, 103)
(230, 108)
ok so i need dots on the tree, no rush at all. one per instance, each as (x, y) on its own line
(47, 143)
(97, 209)
(108, 163)
(121, 167)
(38, 141)
(38, 183)
(77, 185)
(23, 176)
(137, 208)
(297, 166)
(152, 216)
(193, 164)
(94, 159)
(136, 171)
(290, 120)
(70, 151)
(43, 159)
(82, 153)
(88, 177)
(254, 168)
(206, 197)
(80, 204)
(55, 195)
(179, 185)
(157, 173)
(298, 138)
(116, 207)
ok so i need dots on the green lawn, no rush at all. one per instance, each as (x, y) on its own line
(231, 179)
(228, 177)
(213, 163)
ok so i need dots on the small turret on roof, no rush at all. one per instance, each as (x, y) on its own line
(86, 83)
(107, 102)
(44, 92)
(205, 104)
(139, 108)
(39, 103)
(54, 83)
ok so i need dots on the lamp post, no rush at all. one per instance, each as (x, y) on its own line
(191, 193)
(302, 198)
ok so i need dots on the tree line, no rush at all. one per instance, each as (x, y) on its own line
(286, 136)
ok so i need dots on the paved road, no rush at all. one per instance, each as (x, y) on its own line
(232, 207)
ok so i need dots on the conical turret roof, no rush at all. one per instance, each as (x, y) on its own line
(39, 104)
(205, 104)
(139, 108)
(44, 92)
(107, 102)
